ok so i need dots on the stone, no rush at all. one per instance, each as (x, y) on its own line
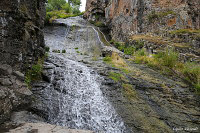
(5, 69)
(2, 93)
(44, 128)
(19, 75)
(5, 81)
(24, 91)
(25, 116)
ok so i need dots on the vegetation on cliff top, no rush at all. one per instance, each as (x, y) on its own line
(62, 9)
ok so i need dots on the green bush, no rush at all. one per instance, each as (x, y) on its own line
(55, 4)
(75, 10)
(129, 50)
(61, 9)
(138, 45)
(169, 58)
(35, 73)
(67, 8)
(141, 52)
(47, 49)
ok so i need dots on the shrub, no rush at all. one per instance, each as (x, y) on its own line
(34, 73)
(75, 10)
(50, 16)
(47, 49)
(129, 50)
(141, 52)
(169, 58)
(67, 8)
(55, 4)
(138, 45)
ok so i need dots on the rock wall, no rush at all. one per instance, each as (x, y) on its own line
(164, 21)
(21, 44)
(127, 17)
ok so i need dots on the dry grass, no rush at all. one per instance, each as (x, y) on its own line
(154, 39)
(159, 40)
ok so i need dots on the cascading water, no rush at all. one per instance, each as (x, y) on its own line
(73, 97)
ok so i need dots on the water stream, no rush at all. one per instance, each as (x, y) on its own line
(73, 96)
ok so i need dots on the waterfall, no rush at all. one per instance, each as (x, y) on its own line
(73, 98)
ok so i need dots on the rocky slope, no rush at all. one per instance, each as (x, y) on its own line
(21, 44)
(163, 18)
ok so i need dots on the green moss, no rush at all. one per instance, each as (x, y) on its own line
(76, 48)
(63, 51)
(107, 59)
(115, 76)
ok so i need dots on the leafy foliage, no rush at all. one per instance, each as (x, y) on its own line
(61, 9)
(35, 73)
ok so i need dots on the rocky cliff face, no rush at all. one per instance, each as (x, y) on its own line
(136, 16)
(21, 44)
(157, 18)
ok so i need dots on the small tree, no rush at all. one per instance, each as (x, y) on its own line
(67, 8)
(56, 4)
